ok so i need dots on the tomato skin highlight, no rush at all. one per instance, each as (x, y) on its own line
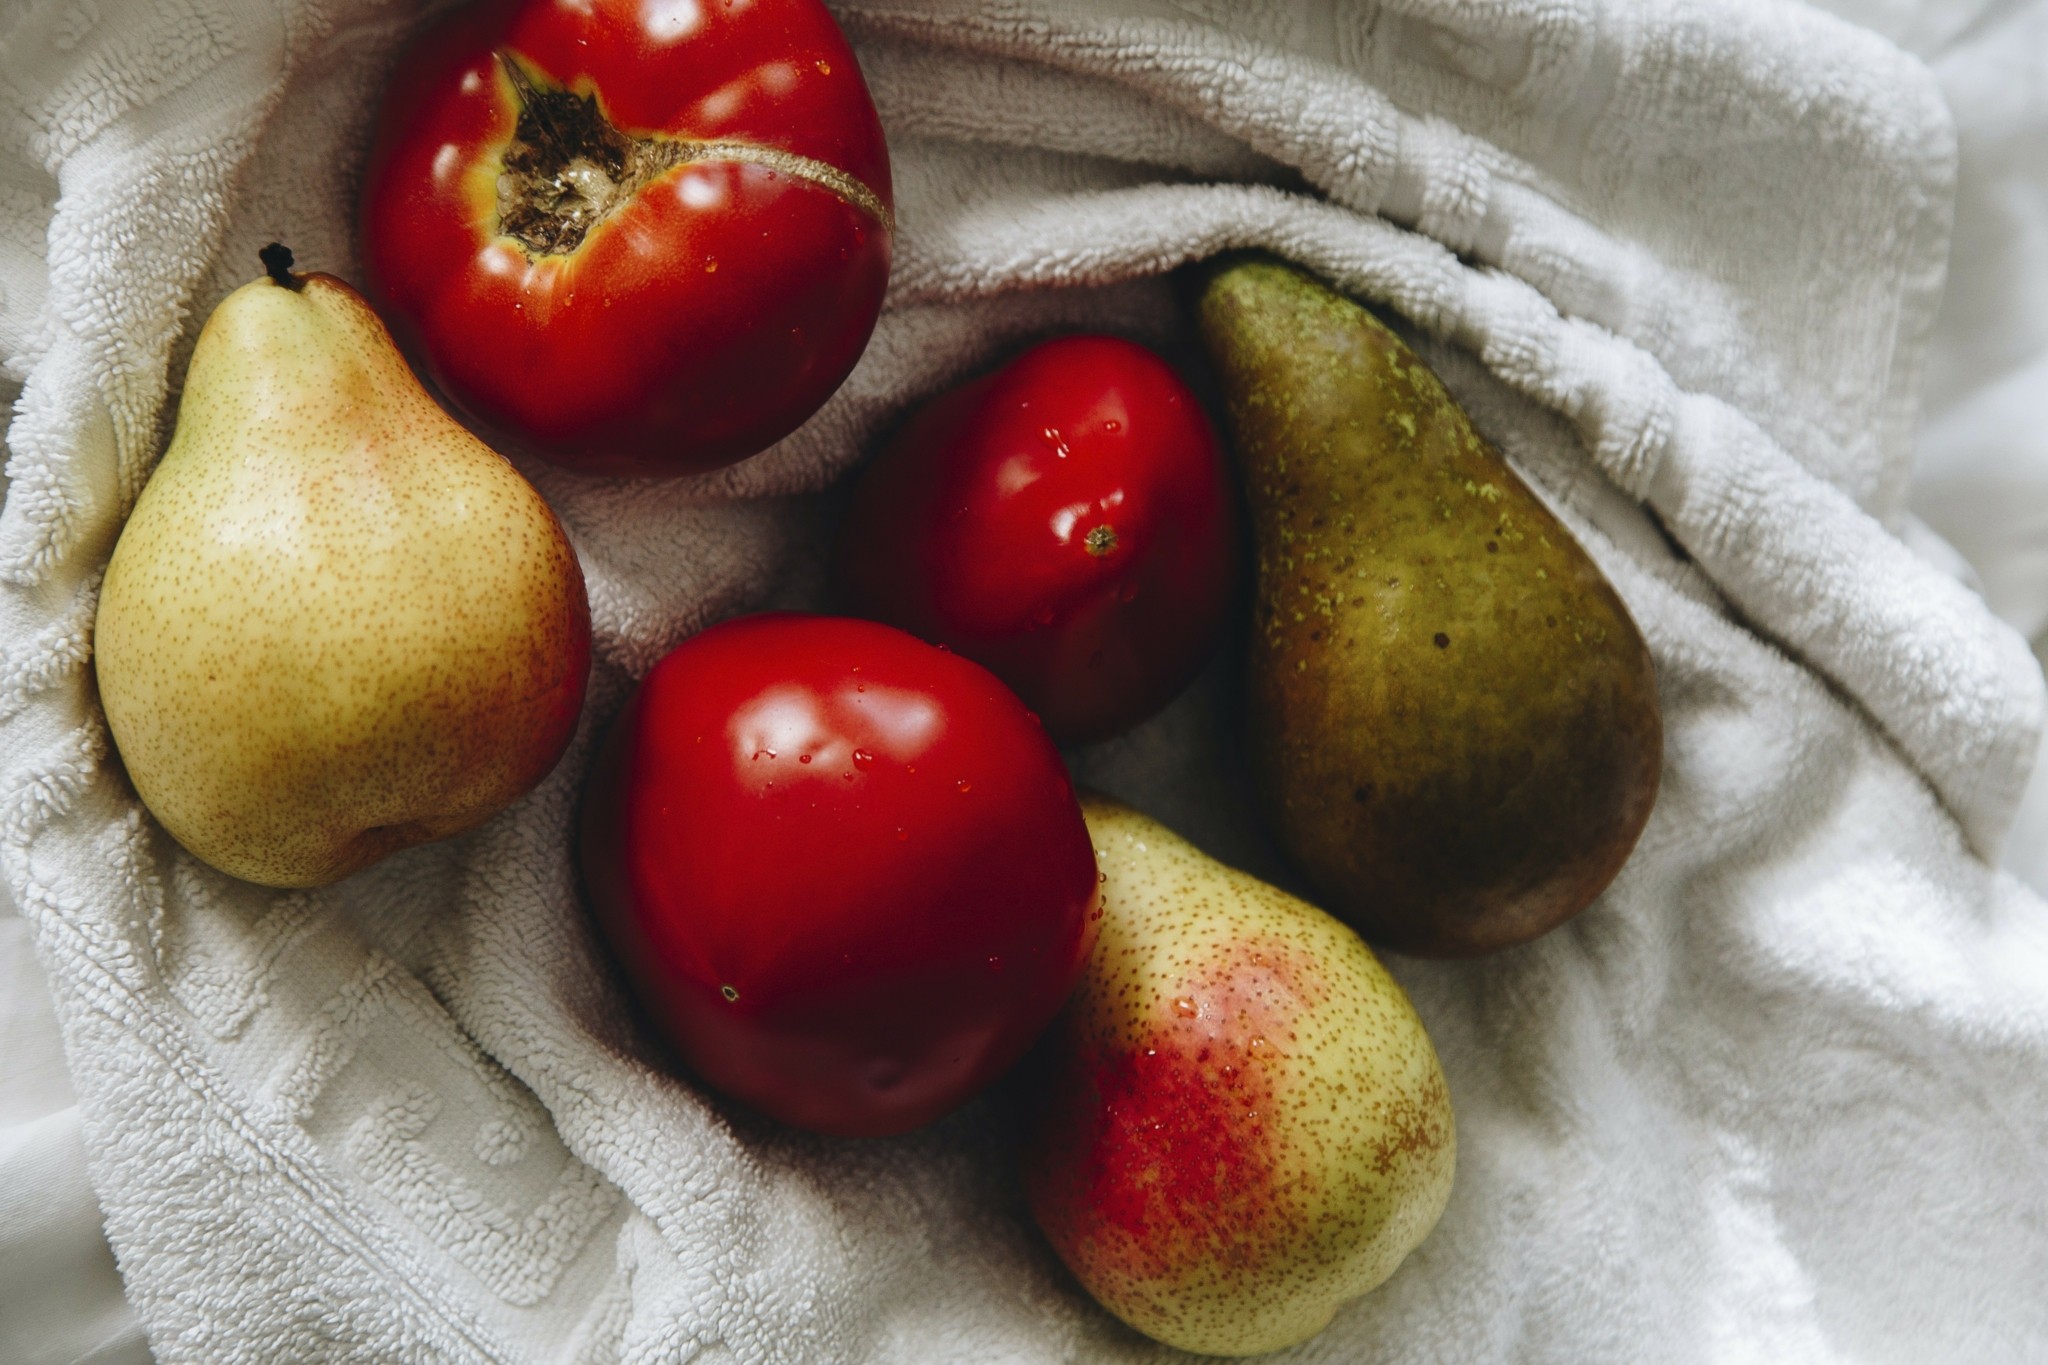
(844, 871)
(707, 316)
(1068, 521)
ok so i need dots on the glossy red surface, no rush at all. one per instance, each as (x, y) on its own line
(702, 321)
(973, 528)
(845, 871)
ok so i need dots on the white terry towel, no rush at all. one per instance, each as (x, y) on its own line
(1778, 1096)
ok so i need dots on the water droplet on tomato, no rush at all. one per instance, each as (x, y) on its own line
(995, 963)
(863, 759)
(711, 265)
(1185, 1008)
(1112, 425)
(965, 786)
(824, 68)
(902, 836)
(803, 758)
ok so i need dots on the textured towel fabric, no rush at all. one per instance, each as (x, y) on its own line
(1777, 1096)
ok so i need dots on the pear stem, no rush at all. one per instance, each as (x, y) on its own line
(277, 261)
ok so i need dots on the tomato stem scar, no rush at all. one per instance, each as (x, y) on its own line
(567, 167)
(530, 101)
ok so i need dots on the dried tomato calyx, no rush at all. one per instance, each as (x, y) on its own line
(568, 168)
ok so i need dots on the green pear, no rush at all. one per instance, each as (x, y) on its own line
(1452, 723)
(1239, 1123)
(337, 624)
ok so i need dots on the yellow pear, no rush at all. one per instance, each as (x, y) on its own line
(337, 624)
(1240, 1124)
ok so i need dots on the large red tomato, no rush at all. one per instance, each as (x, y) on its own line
(649, 236)
(844, 870)
(1067, 520)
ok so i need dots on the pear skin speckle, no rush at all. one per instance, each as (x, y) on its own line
(1451, 721)
(337, 624)
(1241, 1124)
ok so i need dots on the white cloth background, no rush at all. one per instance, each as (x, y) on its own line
(1778, 1096)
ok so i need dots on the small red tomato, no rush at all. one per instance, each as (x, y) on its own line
(1067, 521)
(845, 871)
(650, 238)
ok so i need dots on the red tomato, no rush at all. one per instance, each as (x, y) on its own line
(650, 236)
(845, 871)
(1067, 521)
